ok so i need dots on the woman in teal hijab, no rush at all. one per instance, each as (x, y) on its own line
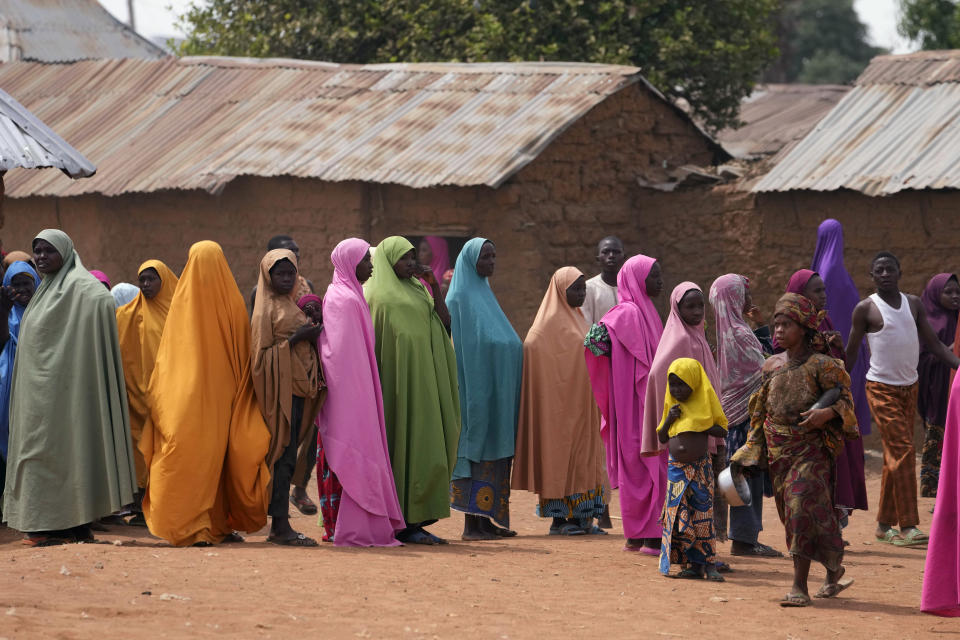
(69, 460)
(418, 374)
(489, 369)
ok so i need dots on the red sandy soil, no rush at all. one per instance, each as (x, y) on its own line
(532, 586)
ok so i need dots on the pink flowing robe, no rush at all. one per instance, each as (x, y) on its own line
(351, 424)
(941, 576)
(620, 385)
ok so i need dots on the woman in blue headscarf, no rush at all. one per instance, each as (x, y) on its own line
(489, 369)
(19, 283)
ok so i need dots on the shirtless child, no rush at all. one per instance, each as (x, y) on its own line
(691, 414)
(894, 323)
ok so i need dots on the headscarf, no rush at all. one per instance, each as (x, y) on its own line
(739, 353)
(69, 460)
(418, 376)
(124, 293)
(280, 371)
(101, 276)
(351, 421)
(701, 410)
(16, 256)
(943, 321)
(797, 283)
(307, 299)
(10, 349)
(559, 451)
(798, 308)
(842, 297)
(489, 365)
(205, 442)
(679, 340)
(140, 326)
(634, 319)
(441, 255)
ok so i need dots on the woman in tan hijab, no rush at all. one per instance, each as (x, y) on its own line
(286, 379)
(559, 452)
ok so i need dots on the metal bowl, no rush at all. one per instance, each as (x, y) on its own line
(734, 488)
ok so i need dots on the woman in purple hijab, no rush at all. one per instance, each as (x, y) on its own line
(941, 299)
(842, 297)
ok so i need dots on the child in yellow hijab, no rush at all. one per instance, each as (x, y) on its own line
(691, 413)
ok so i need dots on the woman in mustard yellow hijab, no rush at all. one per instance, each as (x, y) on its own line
(140, 326)
(205, 443)
(287, 381)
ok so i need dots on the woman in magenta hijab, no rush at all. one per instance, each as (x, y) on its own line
(619, 381)
(351, 420)
(941, 576)
(851, 490)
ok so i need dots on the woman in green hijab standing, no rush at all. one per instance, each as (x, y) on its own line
(70, 460)
(418, 374)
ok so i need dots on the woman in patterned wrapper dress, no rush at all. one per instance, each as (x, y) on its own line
(799, 443)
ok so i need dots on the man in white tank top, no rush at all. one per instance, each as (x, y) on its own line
(894, 324)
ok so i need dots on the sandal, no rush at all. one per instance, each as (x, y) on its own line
(689, 574)
(758, 551)
(889, 536)
(299, 540)
(417, 536)
(435, 539)
(233, 538)
(795, 600)
(723, 567)
(138, 520)
(831, 590)
(713, 575)
(915, 538)
(567, 529)
(42, 541)
(304, 505)
(595, 530)
(504, 533)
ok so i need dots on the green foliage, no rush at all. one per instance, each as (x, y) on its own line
(934, 24)
(708, 52)
(820, 42)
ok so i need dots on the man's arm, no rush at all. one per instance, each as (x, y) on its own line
(929, 337)
(858, 329)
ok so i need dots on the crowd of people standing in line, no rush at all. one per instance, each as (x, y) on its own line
(412, 393)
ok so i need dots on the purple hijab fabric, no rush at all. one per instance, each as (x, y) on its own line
(842, 297)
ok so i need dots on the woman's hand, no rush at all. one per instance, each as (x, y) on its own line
(755, 316)
(834, 340)
(427, 274)
(816, 418)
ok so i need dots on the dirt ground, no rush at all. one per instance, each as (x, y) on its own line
(527, 587)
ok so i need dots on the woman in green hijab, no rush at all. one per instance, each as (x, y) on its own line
(70, 460)
(418, 373)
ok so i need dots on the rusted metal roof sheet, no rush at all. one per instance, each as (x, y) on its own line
(27, 143)
(777, 116)
(899, 128)
(197, 123)
(67, 30)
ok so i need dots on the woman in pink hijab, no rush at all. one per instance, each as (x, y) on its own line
(351, 420)
(941, 576)
(619, 381)
(684, 337)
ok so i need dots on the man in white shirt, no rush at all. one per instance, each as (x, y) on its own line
(602, 288)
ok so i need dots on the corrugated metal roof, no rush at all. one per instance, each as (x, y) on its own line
(898, 129)
(67, 30)
(197, 123)
(27, 143)
(776, 116)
